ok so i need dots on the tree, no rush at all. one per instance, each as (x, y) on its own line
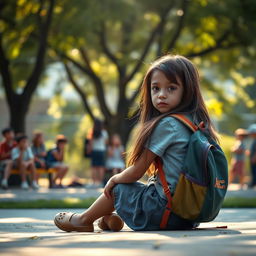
(23, 43)
(124, 35)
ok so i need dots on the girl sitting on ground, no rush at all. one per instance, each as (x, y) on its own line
(171, 85)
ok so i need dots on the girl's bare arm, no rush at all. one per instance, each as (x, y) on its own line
(132, 173)
(58, 155)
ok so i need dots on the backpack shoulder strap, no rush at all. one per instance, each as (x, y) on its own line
(185, 121)
(167, 192)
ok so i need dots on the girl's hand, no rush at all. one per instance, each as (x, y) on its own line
(109, 186)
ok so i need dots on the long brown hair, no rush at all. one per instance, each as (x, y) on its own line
(35, 141)
(175, 68)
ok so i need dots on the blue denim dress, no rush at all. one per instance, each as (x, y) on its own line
(141, 208)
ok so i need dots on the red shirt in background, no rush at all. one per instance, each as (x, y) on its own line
(6, 148)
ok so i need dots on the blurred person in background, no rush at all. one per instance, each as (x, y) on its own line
(252, 133)
(23, 160)
(39, 151)
(55, 159)
(6, 147)
(98, 144)
(238, 157)
(115, 159)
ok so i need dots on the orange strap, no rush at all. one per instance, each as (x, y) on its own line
(185, 121)
(167, 192)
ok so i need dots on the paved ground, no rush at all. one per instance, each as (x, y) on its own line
(31, 232)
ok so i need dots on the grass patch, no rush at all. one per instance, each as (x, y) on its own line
(49, 204)
(239, 202)
(234, 202)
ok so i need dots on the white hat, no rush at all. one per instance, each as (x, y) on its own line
(252, 129)
(241, 131)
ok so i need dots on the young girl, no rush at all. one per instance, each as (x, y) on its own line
(38, 149)
(115, 160)
(238, 157)
(171, 85)
(98, 144)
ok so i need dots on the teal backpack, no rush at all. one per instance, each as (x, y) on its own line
(203, 181)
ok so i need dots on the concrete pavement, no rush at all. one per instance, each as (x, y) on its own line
(31, 232)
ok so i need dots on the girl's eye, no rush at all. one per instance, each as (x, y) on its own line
(172, 88)
(155, 88)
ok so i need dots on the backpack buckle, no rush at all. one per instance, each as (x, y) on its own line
(167, 191)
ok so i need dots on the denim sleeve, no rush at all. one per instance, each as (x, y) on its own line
(163, 136)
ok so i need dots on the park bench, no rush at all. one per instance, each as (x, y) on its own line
(49, 172)
(39, 170)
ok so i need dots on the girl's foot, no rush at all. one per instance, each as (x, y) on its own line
(111, 222)
(68, 221)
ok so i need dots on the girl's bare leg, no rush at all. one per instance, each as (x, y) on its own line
(32, 168)
(58, 174)
(231, 177)
(62, 173)
(22, 169)
(7, 170)
(94, 174)
(101, 174)
(101, 207)
(97, 175)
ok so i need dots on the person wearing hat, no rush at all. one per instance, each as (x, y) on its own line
(55, 159)
(252, 133)
(238, 157)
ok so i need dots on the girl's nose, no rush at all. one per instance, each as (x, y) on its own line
(162, 94)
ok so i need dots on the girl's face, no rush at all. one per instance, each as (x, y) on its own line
(116, 140)
(40, 139)
(165, 95)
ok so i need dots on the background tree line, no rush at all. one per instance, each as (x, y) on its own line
(105, 47)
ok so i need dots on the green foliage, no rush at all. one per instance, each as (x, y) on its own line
(216, 35)
(226, 142)
(19, 28)
(223, 26)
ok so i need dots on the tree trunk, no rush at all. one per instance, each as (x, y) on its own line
(122, 125)
(18, 108)
(18, 119)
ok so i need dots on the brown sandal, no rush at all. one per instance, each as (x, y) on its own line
(114, 223)
(62, 221)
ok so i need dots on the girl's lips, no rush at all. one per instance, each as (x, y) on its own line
(162, 104)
